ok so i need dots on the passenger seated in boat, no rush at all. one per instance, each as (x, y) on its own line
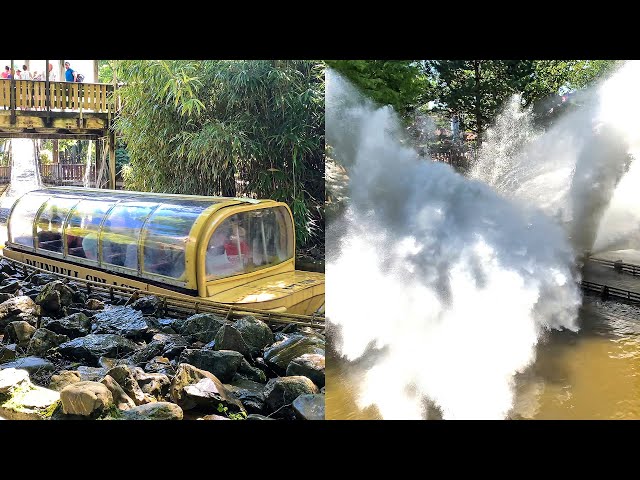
(217, 260)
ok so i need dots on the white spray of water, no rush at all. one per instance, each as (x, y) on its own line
(454, 283)
(620, 225)
(25, 175)
(572, 170)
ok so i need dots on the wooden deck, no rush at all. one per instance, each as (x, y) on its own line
(37, 109)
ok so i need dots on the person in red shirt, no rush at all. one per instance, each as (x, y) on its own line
(7, 73)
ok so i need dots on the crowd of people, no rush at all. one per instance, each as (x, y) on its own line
(70, 75)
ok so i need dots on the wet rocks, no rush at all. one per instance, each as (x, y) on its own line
(11, 286)
(30, 364)
(255, 333)
(229, 338)
(74, 326)
(246, 371)
(222, 363)
(251, 394)
(192, 387)
(149, 305)
(121, 400)
(124, 321)
(154, 411)
(54, 296)
(94, 304)
(202, 327)
(17, 308)
(126, 378)
(172, 344)
(12, 378)
(85, 398)
(310, 365)
(44, 340)
(63, 379)
(153, 385)
(309, 407)
(19, 332)
(94, 346)
(7, 352)
(280, 354)
(281, 392)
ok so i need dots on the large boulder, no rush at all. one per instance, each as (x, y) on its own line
(229, 338)
(30, 364)
(255, 333)
(192, 387)
(222, 363)
(54, 296)
(73, 326)
(202, 326)
(282, 391)
(63, 379)
(85, 398)
(17, 308)
(21, 400)
(154, 411)
(92, 347)
(148, 305)
(251, 394)
(309, 407)
(120, 399)
(281, 353)
(19, 332)
(124, 321)
(126, 378)
(44, 340)
(310, 365)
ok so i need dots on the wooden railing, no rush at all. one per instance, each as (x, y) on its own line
(5, 174)
(62, 96)
(63, 172)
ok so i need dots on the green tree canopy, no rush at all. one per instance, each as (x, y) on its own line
(215, 127)
(399, 83)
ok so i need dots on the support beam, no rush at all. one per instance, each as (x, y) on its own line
(95, 72)
(112, 160)
(98, 162)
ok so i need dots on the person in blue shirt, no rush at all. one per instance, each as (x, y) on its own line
(70, 74)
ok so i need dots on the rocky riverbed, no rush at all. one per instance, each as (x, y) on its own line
(68, 355)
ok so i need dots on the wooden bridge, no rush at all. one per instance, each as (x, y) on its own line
(61, 110)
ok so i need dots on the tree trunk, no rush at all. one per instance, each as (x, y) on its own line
(56, 152)
(476, 66)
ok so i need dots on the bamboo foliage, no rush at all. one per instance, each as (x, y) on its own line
(252, 128)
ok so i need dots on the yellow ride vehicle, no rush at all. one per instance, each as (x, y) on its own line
(231, 250)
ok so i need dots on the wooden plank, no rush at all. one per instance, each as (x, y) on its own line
(5, 94)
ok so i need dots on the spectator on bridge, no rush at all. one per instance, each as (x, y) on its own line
(26, 74)
(7, 72)
(70, 74)
(52, 75)
(36, 75)
(18, 74)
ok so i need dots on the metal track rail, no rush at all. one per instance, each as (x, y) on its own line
(179, 306)
(611, 291)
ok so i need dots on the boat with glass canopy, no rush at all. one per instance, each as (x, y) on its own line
(231, 250)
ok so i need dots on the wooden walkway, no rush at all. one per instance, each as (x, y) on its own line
(621, 284)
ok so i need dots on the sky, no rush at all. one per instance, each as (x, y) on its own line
(81, 66)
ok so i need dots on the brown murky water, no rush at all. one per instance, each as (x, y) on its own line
(592, 374)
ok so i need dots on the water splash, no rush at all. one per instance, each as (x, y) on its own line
(452, 283)
(25, 175)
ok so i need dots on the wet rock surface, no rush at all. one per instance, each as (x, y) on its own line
(72, 354)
